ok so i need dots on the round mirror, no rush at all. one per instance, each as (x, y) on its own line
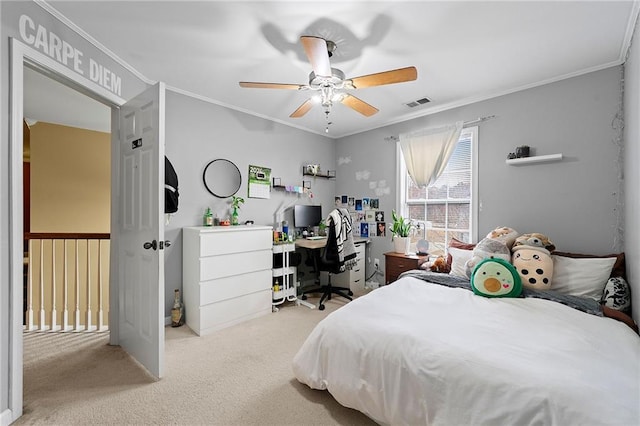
(222, 178)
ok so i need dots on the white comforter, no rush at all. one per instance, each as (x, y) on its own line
(419, 353)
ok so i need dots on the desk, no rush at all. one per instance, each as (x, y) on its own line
(353, 278)
(319, 243)
(311, 244)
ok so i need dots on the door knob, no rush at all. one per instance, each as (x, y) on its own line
(153, 244)
(167, 243)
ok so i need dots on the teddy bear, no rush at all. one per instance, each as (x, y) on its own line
(497, 244)
(439, 264)
(534, 240)
(532, 259)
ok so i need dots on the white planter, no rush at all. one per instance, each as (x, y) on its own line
(402, 244)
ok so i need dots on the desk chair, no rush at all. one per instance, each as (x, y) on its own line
(329, 262)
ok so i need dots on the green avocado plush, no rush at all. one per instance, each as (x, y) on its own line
(496, 278)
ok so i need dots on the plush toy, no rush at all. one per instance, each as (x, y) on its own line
(534, 240)
(496, 278)
(439, 264)
(532, 259)
(497, 244)
(504, 234)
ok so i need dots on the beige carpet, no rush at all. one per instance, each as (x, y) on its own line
(237, 376)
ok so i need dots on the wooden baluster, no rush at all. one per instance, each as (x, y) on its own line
(65, 291)
(76, 324)
(88, 322)
(100, 312)
(54, 312)
(41, 324)
(30, 288)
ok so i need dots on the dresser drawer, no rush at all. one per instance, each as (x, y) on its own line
(234, 286)
(226, 265)
(216, 316)
(234, 242)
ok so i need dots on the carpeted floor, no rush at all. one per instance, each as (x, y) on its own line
(237, 376)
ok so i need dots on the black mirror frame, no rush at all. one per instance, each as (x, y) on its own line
(204, 178)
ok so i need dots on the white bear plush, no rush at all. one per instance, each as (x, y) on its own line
(497, 244)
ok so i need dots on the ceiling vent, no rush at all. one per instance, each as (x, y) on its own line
(418, 102)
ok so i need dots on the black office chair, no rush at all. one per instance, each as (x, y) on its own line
(329, 262)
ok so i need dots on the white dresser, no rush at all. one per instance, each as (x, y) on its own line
(226, 275)
(354, 278)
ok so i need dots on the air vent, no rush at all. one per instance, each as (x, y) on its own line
(418, 102)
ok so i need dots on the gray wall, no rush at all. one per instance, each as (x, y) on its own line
(632, 171)
(198, 132)
(574, 202)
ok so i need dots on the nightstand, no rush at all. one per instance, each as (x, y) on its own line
(397, 263)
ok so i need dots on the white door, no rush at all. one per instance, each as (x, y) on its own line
(140, 230)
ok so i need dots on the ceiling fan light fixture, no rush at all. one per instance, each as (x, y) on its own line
(336, 78)
(338, 96)
(329, 84)
(331, 47)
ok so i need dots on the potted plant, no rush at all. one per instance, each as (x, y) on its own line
(401, 230)
(235, 205)
(322, 226)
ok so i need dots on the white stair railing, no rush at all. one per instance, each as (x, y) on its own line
(55, 291)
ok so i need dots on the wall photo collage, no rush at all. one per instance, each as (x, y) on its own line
(367, 219)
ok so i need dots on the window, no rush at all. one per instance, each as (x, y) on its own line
(447, 208)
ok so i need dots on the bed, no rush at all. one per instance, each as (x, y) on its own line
(421, 351)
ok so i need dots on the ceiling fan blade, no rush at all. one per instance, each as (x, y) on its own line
(302, 109)
(359, 105)
(387, 77)
(316, 50)
(254, 85)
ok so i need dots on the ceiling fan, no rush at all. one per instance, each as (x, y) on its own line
(330, 83)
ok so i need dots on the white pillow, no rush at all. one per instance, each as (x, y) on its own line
(581, 276)
(458, 258)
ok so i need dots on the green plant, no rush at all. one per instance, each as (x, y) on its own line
(401, 227)
(236, 201)
(235, 205)
(322, 226)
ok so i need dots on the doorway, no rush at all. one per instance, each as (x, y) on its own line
(67, 158)
(137, 173)
(21, 57)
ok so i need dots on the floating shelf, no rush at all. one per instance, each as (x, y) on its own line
(330, 174)
(276, 185)
(535, 159)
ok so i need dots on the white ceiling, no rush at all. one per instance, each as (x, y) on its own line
(463, 51)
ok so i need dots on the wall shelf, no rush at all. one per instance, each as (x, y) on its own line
(535, 159)
(276, 185)
(330, 174)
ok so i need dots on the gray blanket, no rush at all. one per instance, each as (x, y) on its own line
(583, 304)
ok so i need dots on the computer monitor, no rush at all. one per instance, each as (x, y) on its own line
(305, 216)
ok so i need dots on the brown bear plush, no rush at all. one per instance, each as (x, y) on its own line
(439, 264)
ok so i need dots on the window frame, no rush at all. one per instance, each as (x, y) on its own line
(402, 176)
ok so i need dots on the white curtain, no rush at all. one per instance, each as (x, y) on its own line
(426, 152)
